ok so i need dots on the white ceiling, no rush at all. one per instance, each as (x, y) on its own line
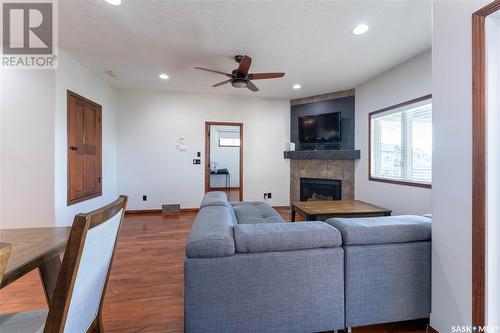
(309, 40)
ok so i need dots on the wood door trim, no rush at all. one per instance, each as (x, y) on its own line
(479, 156)
(207, 152)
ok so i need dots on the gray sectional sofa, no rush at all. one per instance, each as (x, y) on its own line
(247, 270)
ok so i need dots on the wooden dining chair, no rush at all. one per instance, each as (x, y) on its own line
(4, 256)
(76, 305)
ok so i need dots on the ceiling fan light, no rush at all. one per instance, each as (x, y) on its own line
(296, 86)
(239, 83)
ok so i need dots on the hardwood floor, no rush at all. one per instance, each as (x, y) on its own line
(145, 290)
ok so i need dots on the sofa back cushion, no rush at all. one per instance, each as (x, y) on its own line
(256, 212)
(212, 233)
(383, 230)
(274, 237)
(215, 198)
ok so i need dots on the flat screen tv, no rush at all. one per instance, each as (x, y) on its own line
(320, 128)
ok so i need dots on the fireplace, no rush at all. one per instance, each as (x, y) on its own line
(312, 189)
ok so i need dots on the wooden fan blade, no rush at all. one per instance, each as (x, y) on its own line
(212, 71)
(245, 65)
(262, 76)
(221, 83)
(252, 86)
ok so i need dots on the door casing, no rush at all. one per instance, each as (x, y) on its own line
(207, 153)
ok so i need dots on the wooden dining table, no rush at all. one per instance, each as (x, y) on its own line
(35, 248)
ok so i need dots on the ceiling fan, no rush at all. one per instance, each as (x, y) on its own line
(240, 78)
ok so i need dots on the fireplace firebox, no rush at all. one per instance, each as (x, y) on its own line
(312, 189)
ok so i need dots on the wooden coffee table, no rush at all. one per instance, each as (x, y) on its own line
(323, 210)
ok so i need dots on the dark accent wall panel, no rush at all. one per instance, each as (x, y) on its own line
(343, 104)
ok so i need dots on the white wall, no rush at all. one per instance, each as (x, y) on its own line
(452, 164)
(493, 171)
(150, 123)
(227, 157)
(407, 81)
(33, 133)
(71, 75)
(26, 148)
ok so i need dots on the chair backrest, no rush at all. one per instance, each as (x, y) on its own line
(4, 257)
(77, 301)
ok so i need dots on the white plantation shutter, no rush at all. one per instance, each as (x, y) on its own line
(401, 143)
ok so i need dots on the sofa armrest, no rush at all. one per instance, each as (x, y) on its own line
(212, 234)
(274, 237)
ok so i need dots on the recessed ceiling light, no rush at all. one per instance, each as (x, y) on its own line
(296, 86)
(163, 76)
(360, 29)
(114, 2)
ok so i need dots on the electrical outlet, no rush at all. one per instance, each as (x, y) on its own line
(198, 154)
(196, 161)
(265, 196)
(269, 195)
(144, 198)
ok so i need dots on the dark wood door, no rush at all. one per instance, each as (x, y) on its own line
(84, 149)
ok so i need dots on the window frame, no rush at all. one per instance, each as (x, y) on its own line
(386, 180)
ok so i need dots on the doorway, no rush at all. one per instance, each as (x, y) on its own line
(486, 166)
(224, 158)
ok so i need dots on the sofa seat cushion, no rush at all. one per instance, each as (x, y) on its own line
(256, 212)
(274, 237)
(212, 233)
(383, 230)
(215, 198)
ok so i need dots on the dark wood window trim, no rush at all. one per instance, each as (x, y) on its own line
(207, 153)
(479, 162)
(70, 94)
(385, 180)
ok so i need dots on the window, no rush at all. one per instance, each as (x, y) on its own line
(229, 142)
(401, 143)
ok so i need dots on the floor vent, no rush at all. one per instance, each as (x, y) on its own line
(170, 209)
